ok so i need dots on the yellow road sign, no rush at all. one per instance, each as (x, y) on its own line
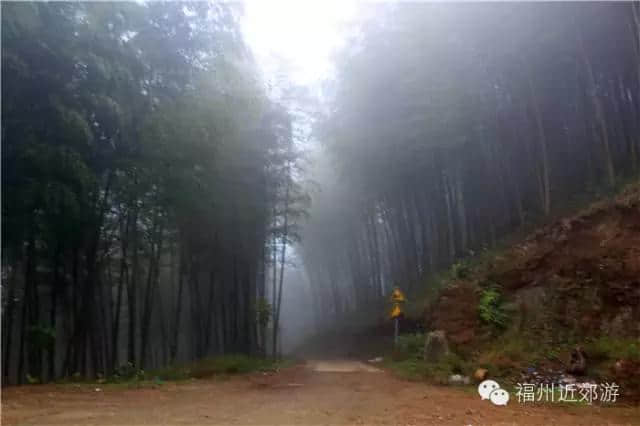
(396, 311)
(398, 295)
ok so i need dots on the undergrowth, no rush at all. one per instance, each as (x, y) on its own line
(506, 356)
(220, 366)
(407, 361)
(491, 309)
(416, 369)
(609, 348)
(502, 348)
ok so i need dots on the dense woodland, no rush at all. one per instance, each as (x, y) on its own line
(147, 191)
(450, 126)
(152, 187)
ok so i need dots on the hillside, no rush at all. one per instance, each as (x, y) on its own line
(575, 282)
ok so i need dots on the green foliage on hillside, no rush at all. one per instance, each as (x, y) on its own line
(490, 307)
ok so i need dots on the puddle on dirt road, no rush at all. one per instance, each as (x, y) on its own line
(341, 367)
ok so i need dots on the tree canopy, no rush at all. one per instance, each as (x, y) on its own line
(451, 125)
(143, 172)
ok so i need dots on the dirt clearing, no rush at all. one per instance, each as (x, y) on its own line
(327, 392)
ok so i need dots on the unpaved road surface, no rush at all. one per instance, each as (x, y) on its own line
(318, 393)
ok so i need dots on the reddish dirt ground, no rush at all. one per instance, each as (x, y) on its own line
(587, 263)
(298, 395)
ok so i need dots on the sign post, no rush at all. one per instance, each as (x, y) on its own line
(395, 334)
(397, 298)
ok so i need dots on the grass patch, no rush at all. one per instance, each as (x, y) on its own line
(407, 362)
(507, 355)
(435, 372)
(220, 365)
(609, 348)
(603, 352)
(411, 344)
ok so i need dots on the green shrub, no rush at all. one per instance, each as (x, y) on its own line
(490, 308)
(411, 344)
(220, 365)
(453, 364)
(126, 372)
(415, 368)
(32, 380)
(407, 361)
(264, 311)
(461, 269)
(610, 348)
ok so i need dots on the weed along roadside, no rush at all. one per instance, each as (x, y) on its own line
(219, 367)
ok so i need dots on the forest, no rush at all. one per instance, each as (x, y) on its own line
(146, 187)
(153, 190)
(450, 126)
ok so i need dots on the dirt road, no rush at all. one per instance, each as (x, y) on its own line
(327, 392)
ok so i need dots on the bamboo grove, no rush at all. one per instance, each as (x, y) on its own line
(452, 125)
(146, 186)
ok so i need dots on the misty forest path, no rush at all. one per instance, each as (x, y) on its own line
(317, 392)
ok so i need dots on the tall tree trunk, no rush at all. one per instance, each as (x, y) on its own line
(122, 279)
(53, 313)
(462, 213)
(599, 112)
(285, 230)
(546, 192)
(8, 324)
(34, 353)
(132, 289)
(152, 284)
(176, 325)
(634, 131)
(74, 355)
(450, 228)
(23, 330)
(210, 309)
(274, 288)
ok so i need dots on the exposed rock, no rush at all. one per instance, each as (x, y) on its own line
(578, 362)
(546, 375)
(435, 346)
(457, 379)
(566, 380)
(480, 374)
